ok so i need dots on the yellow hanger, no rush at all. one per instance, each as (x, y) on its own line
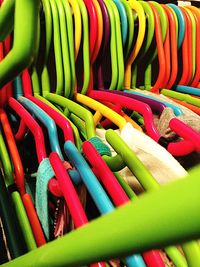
(137, 7)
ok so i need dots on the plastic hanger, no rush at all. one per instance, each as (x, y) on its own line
(104, 44)
(60, 119)
(79, 111)
(76, 210)
(181, 23)
(189, 248)
(145, 110)
(19, 180)
(134, 238)
(21, 54)
(147, 42)
(6, 18)
(18, 173)
(123, 19)
(147, 75)
(130, 17)
(115, 190)
(96, 191)
(194, 82)
(15, 243)
(47, 121)
(100, 29)
(181, 96)
(94, 95)
(77, 206)
(141, 32)
(175, 108)
(99, 32)
(36, 106)
(120, 80)
(39, 140)
(16, 199)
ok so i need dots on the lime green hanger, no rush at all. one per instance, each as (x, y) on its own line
(144, 177)
(79, 111)
(72, 43)
(67, 85)
(57, 50)
(169, 210)
(22, 53)
(119, 47)
(17, 202)
(6, 18)
(45, 81)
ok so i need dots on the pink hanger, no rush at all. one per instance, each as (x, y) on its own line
(70, 196)
(177, 149)
(62, 122)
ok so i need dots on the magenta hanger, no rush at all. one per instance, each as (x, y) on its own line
(58, 118)
(69, 193)
(115, 190)
(177, 149)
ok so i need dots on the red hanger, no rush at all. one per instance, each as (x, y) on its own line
(161, 56)
(70, 196)
(60, 120)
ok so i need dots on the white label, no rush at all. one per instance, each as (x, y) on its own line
(184, 3)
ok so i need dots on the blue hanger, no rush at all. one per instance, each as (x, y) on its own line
(123, 19)
(181, 23)
(46, 120)
(177, 110)
(187, 90)
(96, 191)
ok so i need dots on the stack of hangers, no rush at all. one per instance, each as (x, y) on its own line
(99, 116)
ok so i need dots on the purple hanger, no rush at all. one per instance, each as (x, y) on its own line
(156, 106)
(104, 45)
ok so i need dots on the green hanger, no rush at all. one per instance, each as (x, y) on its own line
(34, 73)
(119, 47)
(57, 49)
(65, 45)
(181, 96)
(15, 243)
(169, 210)
(144, 177)
(6, 18)
(71, 44)
(17, 202)
(22, 53)
(45, 81)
